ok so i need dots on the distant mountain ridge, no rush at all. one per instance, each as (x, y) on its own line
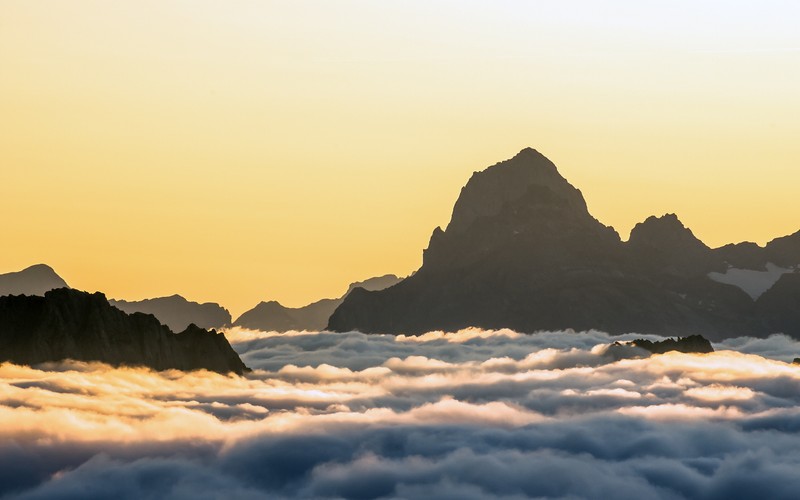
(33, 280)
(522, 251)
(272, 316)
(178, 313)
(70, 324)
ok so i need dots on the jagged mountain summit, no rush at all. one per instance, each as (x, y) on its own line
(34, 280)
(522, 251)
(70, 324)
(273, 316)
(178, 313)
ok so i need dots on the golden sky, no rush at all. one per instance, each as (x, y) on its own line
(238, 151)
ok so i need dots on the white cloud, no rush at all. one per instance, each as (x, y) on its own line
(475, 414)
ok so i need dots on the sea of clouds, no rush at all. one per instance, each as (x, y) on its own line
(474, 414)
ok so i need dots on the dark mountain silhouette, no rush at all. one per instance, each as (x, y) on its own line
(522, 251)
(665, 245)
(177, 313)
(781, 304)
(70, 324)
(272, 316)
(784, 251)
(690, 344)
(746, 255)
(34, 280)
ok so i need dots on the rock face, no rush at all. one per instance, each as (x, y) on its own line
(664, 245)
(34, 280)
(781, 304)
(69, 324)
(178, 313)
(690, 344)
(522, 251)
(784, 251)
(272, 316)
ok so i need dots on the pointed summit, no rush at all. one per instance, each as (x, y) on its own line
(531, 154)
(520, 207)
(666, 232)
(528, 174)
(665, 244)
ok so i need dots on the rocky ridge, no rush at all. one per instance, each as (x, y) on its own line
(522, 251)
(70, 324)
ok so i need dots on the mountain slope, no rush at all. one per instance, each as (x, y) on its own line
(34, 280)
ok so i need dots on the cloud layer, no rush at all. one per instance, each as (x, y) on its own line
(474, 414)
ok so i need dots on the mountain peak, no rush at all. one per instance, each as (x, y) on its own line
(529, 161)
(521, 206)
(529, 151)
(523, 252)
(34, 280)
(40, 268)
(528, 175)
(664, 243)
(666, 232)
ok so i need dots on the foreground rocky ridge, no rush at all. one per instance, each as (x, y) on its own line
(70, 324)
(523, 252)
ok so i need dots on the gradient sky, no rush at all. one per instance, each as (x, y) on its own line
(238, 151)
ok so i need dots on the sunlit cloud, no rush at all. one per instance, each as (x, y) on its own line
(716, 392)
(372, 416)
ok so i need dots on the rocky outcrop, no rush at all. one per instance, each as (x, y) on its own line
(34, 280)
(178, 313)
(690, 344)
(665, 245)
(69, 324)
(522, 251)
(273, 316)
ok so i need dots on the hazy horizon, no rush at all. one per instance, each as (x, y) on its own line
(246, 151)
